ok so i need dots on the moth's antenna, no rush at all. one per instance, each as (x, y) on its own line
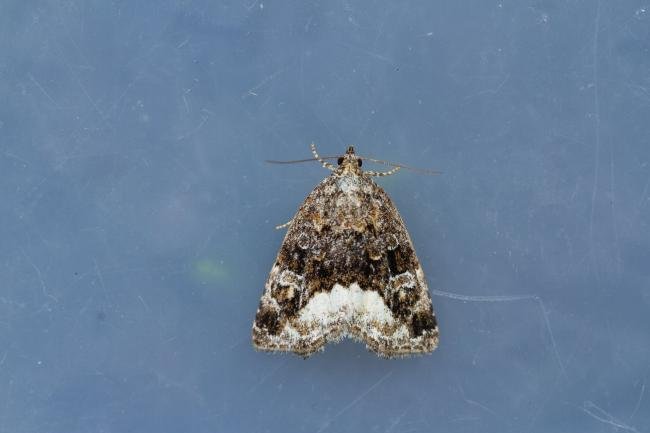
(315, 158)
(398, 166)
(295, 161)
(382, 173)
(324, 163)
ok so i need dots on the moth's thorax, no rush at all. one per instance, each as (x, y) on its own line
(353, 203)
(350, 184)
(349, 167)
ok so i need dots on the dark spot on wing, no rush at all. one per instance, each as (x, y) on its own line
(268, 319)
(423, 321)
(401, 302)
(392, 262)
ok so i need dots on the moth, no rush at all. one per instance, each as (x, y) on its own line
(346, 268)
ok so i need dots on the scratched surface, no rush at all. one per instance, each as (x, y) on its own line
(137, 213)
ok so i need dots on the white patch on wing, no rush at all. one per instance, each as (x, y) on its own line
(346, 305)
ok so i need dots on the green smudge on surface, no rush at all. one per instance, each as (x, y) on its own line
(210, 271)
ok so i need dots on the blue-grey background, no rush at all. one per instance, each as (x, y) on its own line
(137, 213)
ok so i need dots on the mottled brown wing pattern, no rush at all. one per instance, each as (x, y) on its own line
(346, 267)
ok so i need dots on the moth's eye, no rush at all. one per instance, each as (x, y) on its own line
(340, 160)
(360, 162)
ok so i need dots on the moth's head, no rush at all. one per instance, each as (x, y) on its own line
(350, 162)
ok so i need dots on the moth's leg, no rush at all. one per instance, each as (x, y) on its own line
(281, 226)
(324, 163)
(382, 173)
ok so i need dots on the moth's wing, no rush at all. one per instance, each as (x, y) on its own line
(412, 327)
(346, 267)
(287, 290)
